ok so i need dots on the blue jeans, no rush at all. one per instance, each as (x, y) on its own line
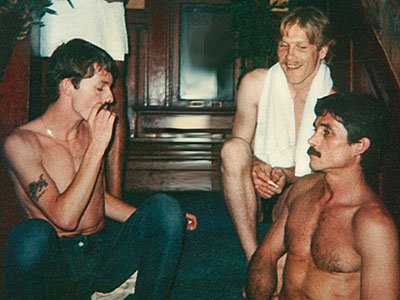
(41, 265)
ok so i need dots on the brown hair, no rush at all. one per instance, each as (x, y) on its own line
(76, 59)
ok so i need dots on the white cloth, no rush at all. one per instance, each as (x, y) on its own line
(95, 21)
(275, 138)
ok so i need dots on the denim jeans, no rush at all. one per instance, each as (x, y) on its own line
(41, 265)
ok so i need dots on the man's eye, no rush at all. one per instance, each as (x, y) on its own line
(326, 132)
(283, 45)
(302, 48)
(100, 89)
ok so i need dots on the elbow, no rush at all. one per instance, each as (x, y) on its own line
(67, 224)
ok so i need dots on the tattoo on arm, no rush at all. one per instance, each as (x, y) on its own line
(37, 188)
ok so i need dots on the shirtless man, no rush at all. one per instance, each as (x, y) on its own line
(102, 23)
(340, 241)
(304, 44)
(77, 238)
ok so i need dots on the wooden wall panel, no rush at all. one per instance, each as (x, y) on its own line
(137, 63)
(14, 93)
(158, 75)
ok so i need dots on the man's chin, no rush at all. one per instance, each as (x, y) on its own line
(314, 168)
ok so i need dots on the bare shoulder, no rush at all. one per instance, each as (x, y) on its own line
(306, 183)
(255, 77)
(373, 216)
(250, 88)
(373, 224)
(22, 142)
(296, 192)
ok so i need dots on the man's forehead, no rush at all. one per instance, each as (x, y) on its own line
(328, 120)
(100, 75)
(295, 32)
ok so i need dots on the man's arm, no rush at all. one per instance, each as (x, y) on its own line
(376, 240)
(120, 211)
(116, 209)
(245, 120)
(23, 155)
(262, 270)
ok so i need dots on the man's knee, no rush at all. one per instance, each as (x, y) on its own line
(167, 212)
(235, 154)
(30, 244)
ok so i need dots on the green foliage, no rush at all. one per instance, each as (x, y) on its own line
(25, 13)
(38, 8)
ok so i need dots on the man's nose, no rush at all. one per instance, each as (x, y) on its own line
(312, 140)
(290, 52)
(109, 97)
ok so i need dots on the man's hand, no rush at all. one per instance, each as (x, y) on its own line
(101, 125)
(267, 181)
(191, 222)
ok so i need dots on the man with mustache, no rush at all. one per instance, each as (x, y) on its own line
(340, 241)
(274, 117)
(77, 238)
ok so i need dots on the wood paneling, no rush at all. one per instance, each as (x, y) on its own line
(158, 75)
(137, 65)
(14, 93)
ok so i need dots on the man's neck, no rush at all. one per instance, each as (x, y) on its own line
(345, 186)
(60, 122)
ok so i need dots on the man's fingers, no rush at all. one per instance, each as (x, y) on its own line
(191, 221)
(266, 192)
(94, 111)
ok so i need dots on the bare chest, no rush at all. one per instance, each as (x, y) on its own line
(62, 160)
(324, 237)
(298, 106)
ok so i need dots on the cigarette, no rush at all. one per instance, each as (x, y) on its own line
(272, 183)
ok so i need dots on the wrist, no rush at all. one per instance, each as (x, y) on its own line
(95, 150)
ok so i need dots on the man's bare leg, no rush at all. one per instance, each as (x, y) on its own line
(116, 155)
(239, 192)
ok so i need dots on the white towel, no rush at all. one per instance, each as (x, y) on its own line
(275, 138)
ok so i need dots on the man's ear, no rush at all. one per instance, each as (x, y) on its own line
(323, 51)
(361, 146)
(66, 86)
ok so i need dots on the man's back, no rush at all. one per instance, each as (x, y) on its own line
(323, 259)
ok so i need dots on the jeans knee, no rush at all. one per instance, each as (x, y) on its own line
(30, 244)
(168, 213)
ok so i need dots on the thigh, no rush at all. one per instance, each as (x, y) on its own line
(123, 245)
(34, 264)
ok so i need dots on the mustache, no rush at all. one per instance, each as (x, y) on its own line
(312, 151)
